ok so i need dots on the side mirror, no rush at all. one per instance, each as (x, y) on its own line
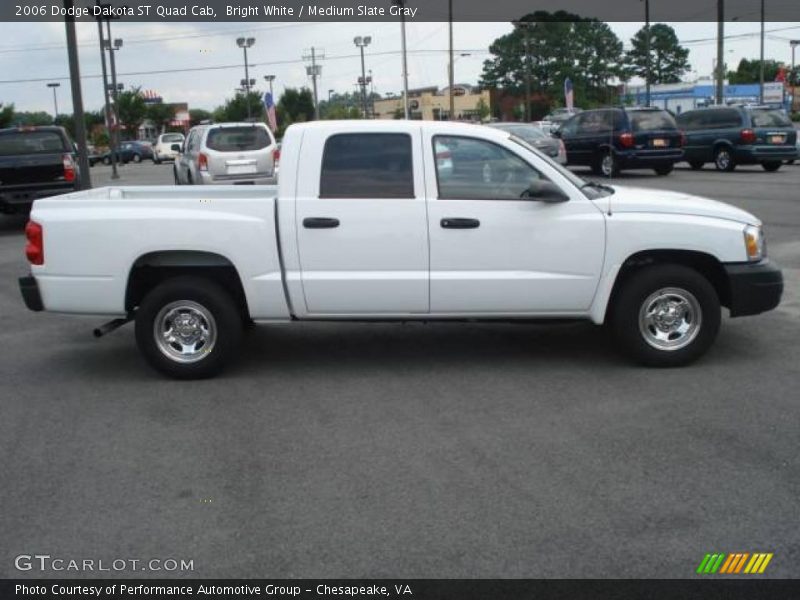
(545, 191)
(176, 148)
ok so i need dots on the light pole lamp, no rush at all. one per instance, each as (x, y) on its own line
(361, 43)
(269, 79)
(244, 44)
(55, 85)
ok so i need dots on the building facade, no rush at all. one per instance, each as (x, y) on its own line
(433, 104)
(679, 97)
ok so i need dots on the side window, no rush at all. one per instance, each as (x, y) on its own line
(367, 165)
(473, 169)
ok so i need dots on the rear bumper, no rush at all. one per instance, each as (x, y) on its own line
(642, 159)
(758, 154)
(250, 179)
(30, 293)
(755, 287)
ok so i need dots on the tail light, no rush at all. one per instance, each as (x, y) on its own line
(748, 136)
(34, 249)
(202, 162)
(276, 158)
(626, 139)
(69, 167)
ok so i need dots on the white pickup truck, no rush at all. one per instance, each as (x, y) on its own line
(398, 220)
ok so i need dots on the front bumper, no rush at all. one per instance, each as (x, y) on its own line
(30, 293)
(755, 287)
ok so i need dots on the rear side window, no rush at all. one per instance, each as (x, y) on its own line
(651, 120)
(769, 118)
(237, 139)
(367, 165)
(31, 142)
(723, 118)
(688, 120)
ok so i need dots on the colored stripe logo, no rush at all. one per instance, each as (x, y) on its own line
(735, 563)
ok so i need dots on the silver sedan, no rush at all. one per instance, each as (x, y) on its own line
(538, 138)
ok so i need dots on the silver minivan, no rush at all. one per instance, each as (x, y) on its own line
(227, 153)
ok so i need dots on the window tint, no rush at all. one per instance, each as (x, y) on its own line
(651, 120)
(238, 139)
(724, 118)
(367, 165)
(596, 121)
(31, 142)
(472, 169)
(688, 120)
(171, 138)
(769, 118)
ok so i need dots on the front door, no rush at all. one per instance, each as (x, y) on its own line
(361, 224)
(495, 248)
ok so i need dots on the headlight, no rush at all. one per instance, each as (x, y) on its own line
(754, 243)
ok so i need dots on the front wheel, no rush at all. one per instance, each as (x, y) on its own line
(666, 315)
(771, 166)
(723, 160)
(188, 328)
(137, 158)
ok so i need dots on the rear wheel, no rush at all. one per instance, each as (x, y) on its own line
(696, 165)
(156, 160)
(771, 166)
(106, 160)
(666, 315)
(188, 328)
(664, 170)
(723, 159)
(606, 164)
(137, 158)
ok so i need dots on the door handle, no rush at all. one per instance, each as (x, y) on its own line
(460, 223)
(320, 223)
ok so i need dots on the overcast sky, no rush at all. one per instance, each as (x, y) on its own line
(36, 51)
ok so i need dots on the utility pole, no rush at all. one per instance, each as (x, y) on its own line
(525, 25)
(402, 4)
(109, 122)
(77, 96)
(361, 43)
(720, 74)
(451, 75)
(761, 62)
(244, 44)
(55, 85)
(114, 136)
(314, 70)
(647, 52)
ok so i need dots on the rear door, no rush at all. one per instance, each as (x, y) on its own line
(361, 222)
(654, 131)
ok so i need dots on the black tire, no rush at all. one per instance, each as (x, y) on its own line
(771, 166)
(790, 162)
(723, 159)
(189, 178)
(672, 282)
(190, 298)
(156, 160)
(137, 158)
(696, 165)
(606, 164)
(664, 170)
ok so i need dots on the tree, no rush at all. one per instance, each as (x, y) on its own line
(6, 114)
(161, 114)
(560, 45)
(235, 109)
(342, 106)
(196, 115)
(90, 118)
(749, 71)
(132, 110)
(32, 118)
(298, 105)
(668, 59)
(483, 110)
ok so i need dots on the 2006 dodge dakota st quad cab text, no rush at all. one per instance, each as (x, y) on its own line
(398, 220)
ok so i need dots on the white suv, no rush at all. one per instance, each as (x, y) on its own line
(162, 149)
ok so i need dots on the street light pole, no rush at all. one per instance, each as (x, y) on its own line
(761, 62)
(55, 86)
(451, 75)
(269, 79)
(114, 136)
(402, 5)
(244, 44)
(109, 122)
(525, 25)
(361, 43)
(793, 76)
(720, 74)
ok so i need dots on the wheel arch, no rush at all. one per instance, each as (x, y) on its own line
(153, 268)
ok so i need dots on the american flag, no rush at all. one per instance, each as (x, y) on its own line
(569, 95)
(269, 106)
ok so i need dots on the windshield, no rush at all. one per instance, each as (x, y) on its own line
(590, 192)
(238, 139)
(651, 120)
(770, 118)
(172, 137)
(30, 142)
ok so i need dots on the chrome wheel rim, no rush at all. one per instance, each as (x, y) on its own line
(607, 166)
(185, 331)
(670, 319)
(723, 159)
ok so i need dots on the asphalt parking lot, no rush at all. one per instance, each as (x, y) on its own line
(388, 450)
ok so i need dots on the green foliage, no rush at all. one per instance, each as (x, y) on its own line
(32, 118)
(483, 110)
(132, 110)
(235, 109)
(342, 106)
(90, 118)
(196, 115)
(298, 105)
(160, 114)
(668, 59)
(748, 71)
(6, 115)
(560, 45)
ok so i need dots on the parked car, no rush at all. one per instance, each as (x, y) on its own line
(797, 146)
(367, 224)
(536, 137)
(129, 152)
(227, 153)
(162, 149)
(559, 115)
(610, 140)
(738, 135)
(35, 162)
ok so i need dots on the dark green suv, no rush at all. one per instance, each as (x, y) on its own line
(737, 135)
